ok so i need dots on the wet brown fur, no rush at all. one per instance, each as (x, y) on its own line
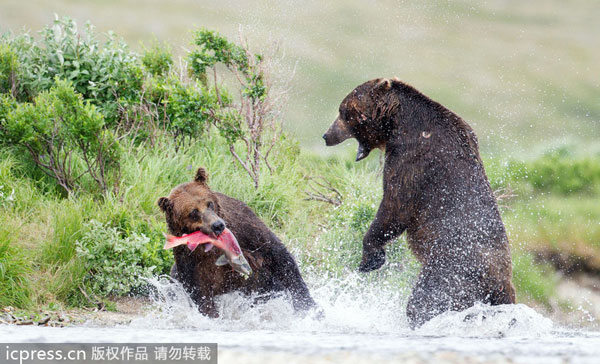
(435, 189)
(274, 269)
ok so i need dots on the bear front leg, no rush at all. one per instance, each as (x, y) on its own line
(383, 229)
(206, 306)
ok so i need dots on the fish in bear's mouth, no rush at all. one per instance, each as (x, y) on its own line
(226, 241)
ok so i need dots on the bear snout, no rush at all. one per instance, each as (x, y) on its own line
(337, 133)
(218, 227)
(330, 140)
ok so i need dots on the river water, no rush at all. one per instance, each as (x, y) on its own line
(356, 325)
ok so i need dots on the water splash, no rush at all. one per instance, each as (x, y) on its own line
(489, 321)
(346, 305)
(363, 321)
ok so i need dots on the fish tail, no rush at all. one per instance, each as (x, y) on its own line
(171, 241)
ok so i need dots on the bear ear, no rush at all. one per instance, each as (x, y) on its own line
(384, 84)
(388, 102)
(164, 204)
(201, 176)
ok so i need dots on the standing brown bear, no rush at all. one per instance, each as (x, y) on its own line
(194, 207)
(434, 188)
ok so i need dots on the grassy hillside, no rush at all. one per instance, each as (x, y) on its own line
(522, 73)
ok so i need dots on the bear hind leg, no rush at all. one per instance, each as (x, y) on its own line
(436, 292)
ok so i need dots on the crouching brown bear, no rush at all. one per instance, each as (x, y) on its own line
(194, 207)
(434, 188)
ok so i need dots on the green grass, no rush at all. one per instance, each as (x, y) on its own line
(15, 270)
(533, 282)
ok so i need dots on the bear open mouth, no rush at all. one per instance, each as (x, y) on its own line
(362, 152)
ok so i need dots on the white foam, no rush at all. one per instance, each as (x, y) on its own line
(346, 305)
(489, 321)
(361, 317)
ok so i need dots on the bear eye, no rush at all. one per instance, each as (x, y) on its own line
(210, 205)
(194, 215)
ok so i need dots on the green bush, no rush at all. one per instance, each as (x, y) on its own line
(115, 264)
(188, 109)
(158, 59)
(107, 74)
(7, 105)
(9, 66)
(64, 136)
(561, 172)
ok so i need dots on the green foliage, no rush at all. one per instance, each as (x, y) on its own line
(108, 74)
(184, 109)
(7, 105)
(158, 59)
(362, 217)
(114, 263)
(533, 280)
(7, 197)
(189, 110)
(254, 118)
(64, 136)
(14, 272)
(9, 66)
(561, 172)
(215, 49)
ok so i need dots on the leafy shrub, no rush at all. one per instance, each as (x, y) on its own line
(158, 59)
(64, 136)
(362, 217)
(560, 172)
(107, 74)
(7, 105)
(255, 117)
(214, 49)
(189, 109)
(9, 66)
(115, 263)
(185, 110)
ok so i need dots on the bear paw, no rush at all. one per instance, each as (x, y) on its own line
(372, 260)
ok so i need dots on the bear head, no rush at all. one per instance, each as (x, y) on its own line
(366, 114)
(193, 207)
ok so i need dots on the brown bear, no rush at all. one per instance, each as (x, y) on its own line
(194, 207)
(434, 188)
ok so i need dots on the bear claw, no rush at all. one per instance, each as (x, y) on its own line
(372, 261)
